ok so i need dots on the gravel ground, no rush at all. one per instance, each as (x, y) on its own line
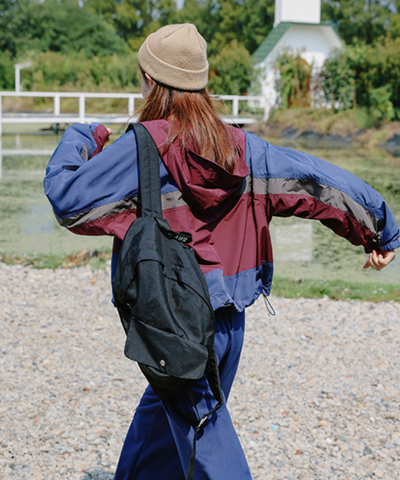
(316, 396)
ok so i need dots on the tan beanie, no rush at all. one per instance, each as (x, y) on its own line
(176, 55)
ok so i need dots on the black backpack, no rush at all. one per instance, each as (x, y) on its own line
(162, 296)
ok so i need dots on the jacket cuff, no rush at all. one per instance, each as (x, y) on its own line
(391, 245)
(382, 248)
(100, 135)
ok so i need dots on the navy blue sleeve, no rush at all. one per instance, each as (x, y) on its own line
(76, 181)
(303, 185)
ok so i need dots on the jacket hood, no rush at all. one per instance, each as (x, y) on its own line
(203, 183)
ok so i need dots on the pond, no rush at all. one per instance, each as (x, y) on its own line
(27, 223)
(302, 248)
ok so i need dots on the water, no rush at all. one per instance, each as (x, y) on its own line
(27, 223)
(307, 249)
(302, 248)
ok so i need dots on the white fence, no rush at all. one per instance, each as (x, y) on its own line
(57, 116)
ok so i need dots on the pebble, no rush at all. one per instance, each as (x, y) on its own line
(316, 395)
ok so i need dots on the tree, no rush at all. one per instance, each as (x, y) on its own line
(248, 22)
(6, 6)
(222, 21)
(58, 27)
(365, 76)
(395, 25)
(134, 20)
(231, 70)
(359, 20)
(233, 30)
(202, 13)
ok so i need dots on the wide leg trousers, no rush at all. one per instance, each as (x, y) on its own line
(160, 439)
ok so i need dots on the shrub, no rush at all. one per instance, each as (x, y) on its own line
(366, 76)
(380, 104)
(337, 81)
(293, 82)
(58, 72)
(53, 71)
(7, 72)
(231, 70)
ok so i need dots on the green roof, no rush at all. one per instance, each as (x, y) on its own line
(275, 35)
(270, 41)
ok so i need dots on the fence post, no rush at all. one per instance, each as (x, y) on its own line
(1, 133)
(57, 105)
(82, 108)
(235, 106)
(1, 116)
(267, 110)
(56, 99)
(131, 105)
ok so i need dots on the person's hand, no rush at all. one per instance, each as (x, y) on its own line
(379, 260)
(110, 132)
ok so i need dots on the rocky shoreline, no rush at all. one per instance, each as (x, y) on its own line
(316, 395)
(310, 137)
(387, 137)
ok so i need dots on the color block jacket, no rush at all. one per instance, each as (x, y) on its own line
(95, 192)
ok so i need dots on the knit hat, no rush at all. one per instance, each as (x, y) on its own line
(176, 56)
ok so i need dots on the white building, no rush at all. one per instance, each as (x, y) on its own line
(297, 27)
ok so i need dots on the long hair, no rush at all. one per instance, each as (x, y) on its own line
(196, 123)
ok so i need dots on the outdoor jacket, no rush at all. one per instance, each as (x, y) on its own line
(227, 213)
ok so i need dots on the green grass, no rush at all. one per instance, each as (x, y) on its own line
(281, 287)
(335, 289)
(95, 259)
(357, 123)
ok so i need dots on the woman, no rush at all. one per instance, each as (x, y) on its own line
(224, 186)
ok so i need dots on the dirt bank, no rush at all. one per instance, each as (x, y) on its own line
(326, 129)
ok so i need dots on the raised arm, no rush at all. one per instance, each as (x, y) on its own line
(87, 186)
(300, 184)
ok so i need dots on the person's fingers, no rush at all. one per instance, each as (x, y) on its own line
(370, 261)
(380, 260)
(374, 260)
(384, 258)
(366, 265)
(110, 132)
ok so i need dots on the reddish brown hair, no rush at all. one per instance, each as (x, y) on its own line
(196, 123)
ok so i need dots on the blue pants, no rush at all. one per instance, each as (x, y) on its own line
(160, 439)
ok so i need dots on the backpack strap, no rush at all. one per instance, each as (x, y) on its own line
(149, 161)
(215, 386)
(150, 197)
